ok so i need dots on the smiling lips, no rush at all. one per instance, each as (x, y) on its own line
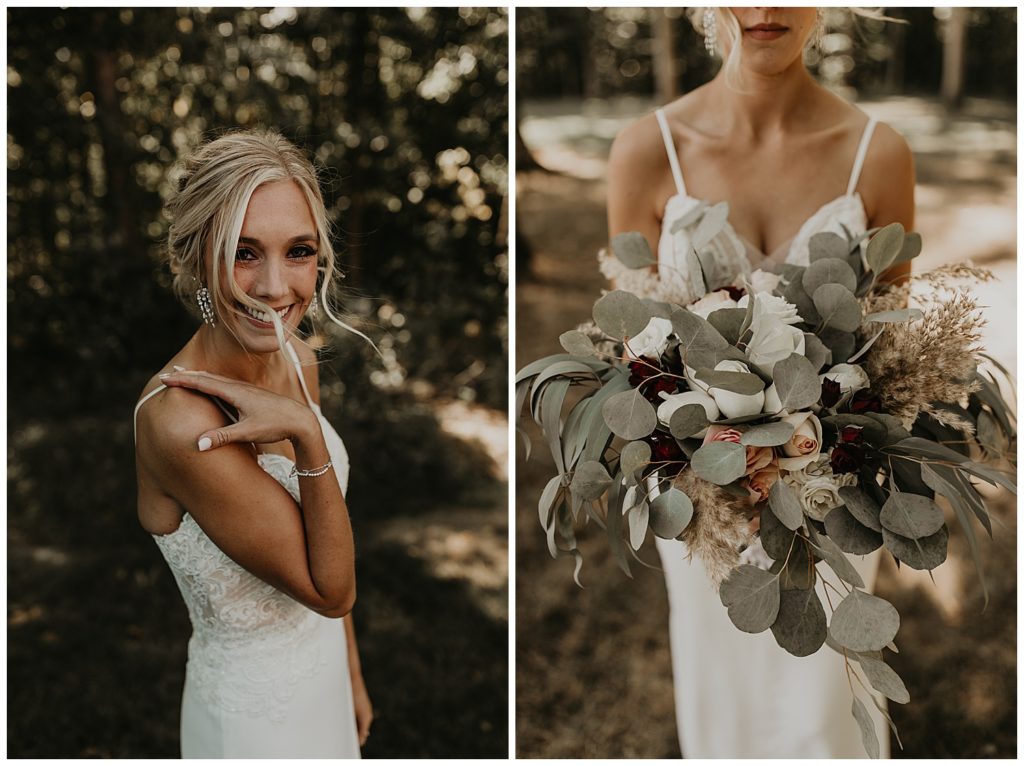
(766, 31)
(261, 319)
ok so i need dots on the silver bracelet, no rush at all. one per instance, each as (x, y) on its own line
(311, 472)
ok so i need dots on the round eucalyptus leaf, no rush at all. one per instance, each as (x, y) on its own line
(817, 353)
(827, 244)
(633, 457)
(911, 515)
(688, 420)
(829, 271)
(696, 333)
(911, 248)
(744, 383)
(884, 247)
(658, 309)
(849, 534)
(862, 506)
(629, 415)
(923, 553)
(632, 249)
(836, 559)
(590, 480)
(767, 435)
(864, 623)
(621, 314)
(799, 573)
(837, 306)
(797, 382)
(710, 225)
(720, 462)
(884, 679)
(752, 597)
(576, 343)
(776, 539)
(728, 322)
(800, 627)
(840, 343)
(637, 519)
(785, 504)
(671, 512)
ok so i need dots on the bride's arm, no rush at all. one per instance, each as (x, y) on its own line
(888, 176)
(636, 166)
(360, 697)
(307, 553)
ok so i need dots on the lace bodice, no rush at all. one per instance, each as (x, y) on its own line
(730, 253)
(251, 644)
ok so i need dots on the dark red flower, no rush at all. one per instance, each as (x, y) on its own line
(831, 392)
(735, 292)
(665, 449)
(846, 458)
(640, 373)
(852, 435)
(865, 401)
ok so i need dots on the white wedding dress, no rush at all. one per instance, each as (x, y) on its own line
(740, 695)
(266, 677)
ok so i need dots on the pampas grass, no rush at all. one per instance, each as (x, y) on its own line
(720, 526)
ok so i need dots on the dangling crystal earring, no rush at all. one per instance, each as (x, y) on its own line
(710, 31)
(313, 307)
(206, 305)
(819, 30)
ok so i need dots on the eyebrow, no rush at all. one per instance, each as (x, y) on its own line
(292, 241)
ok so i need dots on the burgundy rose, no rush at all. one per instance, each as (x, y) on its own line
(664, 449)
(831, 392)
(865, 401)
(735, 292)
(640, 373)
(852, 435)
(846, 458)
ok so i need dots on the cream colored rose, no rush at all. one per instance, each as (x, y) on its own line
(712, 302)
(759, 483)
(652, 340)
(736, 405)
(850, 377)
(804, 445)
(819, 496)
(763, 281)
(674, 401)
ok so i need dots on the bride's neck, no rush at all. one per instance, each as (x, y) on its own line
(760, 104)
(223, 355)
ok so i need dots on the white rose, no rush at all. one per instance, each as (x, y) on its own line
(736, 405)
(771, 307)
(652, 340)
(819, 496)
(772, 402)
(763, 281)
(818, 468)
(773, 341)
(804, 445)
(712, 302)
(674, 401)
(850, 377)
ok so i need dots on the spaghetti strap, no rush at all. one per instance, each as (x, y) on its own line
(302, 378)
(143, 400)
(670, 149)
(862, 152)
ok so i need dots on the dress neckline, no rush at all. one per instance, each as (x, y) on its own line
(787, 245)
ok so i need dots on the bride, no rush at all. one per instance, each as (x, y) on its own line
(791, 159)
(241, 479)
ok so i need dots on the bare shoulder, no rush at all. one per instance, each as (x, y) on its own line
(638, 148)
(887, 179)
(889, 150)
(170, 422)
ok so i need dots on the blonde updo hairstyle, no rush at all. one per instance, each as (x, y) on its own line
(207, 210)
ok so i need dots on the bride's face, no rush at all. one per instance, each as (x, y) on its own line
(275, 262)
(772, 39)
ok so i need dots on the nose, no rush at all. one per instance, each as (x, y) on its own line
(271, 283)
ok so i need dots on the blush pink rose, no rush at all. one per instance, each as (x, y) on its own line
(722, 434)
(760, 483)
(758, 458)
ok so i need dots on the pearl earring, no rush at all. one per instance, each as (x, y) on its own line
(206, 305)
(710, 31)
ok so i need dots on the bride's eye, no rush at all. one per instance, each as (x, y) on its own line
(302, 251)
(244, 254)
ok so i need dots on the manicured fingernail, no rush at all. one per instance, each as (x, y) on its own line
(164, 375)
(205, 443)
(177, 368)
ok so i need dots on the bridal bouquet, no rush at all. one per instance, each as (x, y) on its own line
(808, 405)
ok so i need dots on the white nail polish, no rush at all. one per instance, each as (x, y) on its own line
(205, 443)
(178, 368)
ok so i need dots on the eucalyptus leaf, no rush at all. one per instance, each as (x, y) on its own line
(576, 343)
(991, 475)
(839, 342)
(923, 553)
(829, 271)
(720, 462)
(794, 293)
(797, 383)
(962, 500)
(767, 434)
(590, 480)
(864, 623)
(785, 504)
(689, 218)
(752, 597)
(634, 457)
(885, 247)
(866, 347)
(800, 627)
(671, 512)
(613, 527)
(621, 314)
(744, 383)
(849, 534)
(817, 353)
(838, 307)
(862, 507)
(711, 225)
(729, 323)
(910, 515)
(868, 735)
(695, 333)
(835, 558)
(911, 248)
(874, 432)
(688, 420)
(632, 249)
(638, 518)
(629, 415)
(799, 573)
(827, 244)
(546, 504)
(894, 430)
(884, 679)
(776, 539)
(592, 425)
(659, 309)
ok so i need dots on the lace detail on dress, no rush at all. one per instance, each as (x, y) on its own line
(251, 644)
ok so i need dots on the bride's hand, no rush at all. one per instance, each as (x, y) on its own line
(263, 417)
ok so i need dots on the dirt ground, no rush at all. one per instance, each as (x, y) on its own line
(593, 676)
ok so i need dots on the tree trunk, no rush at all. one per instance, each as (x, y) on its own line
(954, 42)
(666, 70)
